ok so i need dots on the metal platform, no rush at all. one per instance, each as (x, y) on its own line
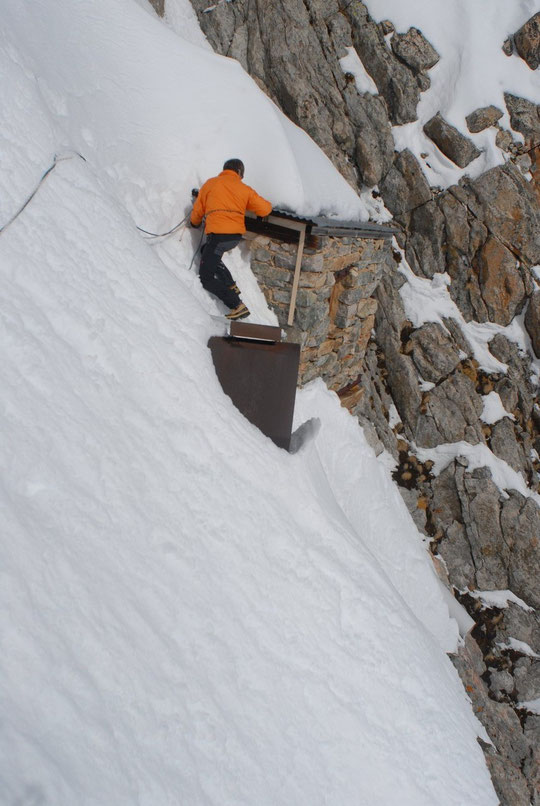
(259, 372)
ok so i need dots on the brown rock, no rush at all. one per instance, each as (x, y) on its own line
(159, 6)
(527, 41)
(532, 322)
(483, 118)
(500, 281)
(507, 205)
(415, 50)
(387, 27)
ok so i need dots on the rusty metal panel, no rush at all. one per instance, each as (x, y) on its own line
(260, 378)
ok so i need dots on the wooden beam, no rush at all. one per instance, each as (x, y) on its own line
(245, 330)
(260, 227)
(366, 234)
(297, 269)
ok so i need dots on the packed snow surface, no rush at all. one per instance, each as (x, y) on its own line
(191, 615)
(494, 410)
(473, 72)
(499, 599)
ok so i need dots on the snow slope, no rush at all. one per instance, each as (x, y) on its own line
(191, 615)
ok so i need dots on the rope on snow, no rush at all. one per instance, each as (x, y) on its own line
(49, 170)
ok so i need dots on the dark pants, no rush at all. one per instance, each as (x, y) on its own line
(214, 274)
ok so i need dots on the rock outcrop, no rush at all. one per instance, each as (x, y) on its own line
(423, 387)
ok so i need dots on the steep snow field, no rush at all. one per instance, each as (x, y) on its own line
(190, 615)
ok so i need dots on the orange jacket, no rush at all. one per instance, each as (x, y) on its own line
(224, 200)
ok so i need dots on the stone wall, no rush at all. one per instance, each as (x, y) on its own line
(335, 306)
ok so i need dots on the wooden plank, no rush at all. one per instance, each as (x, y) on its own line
(297, 270)
(372, 234)
(247, 330)
(286, 222)
(285, 234)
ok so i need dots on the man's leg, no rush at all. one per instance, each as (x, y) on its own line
(215, 276)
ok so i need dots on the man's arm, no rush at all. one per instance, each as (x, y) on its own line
(258, 205)
(199, 209)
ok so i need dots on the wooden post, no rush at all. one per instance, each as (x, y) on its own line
(296, 280)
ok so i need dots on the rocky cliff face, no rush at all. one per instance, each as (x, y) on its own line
(423, 386)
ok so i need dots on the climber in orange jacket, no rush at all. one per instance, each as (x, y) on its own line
(223, 201)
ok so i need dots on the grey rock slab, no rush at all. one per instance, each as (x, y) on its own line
(504, 444)
(403, 383)
(480, 506)
(455, 549)
(520, 522)
(373, 144)
(524, 118)
(448, 517)
(509, 782)
(532, 322)
(518, 373)
(424, 82)
(503, 726)
(483, 118)
(434, 353)
(418, 515)
(527, 679)
(415, 50)
(532, 729)
(501, 682)
(450, 413)
(524, 625)
(424, 250)
(457, 335)
(405, 186)
(505, 731)
(508, 46)
(504, 141)
(450, 141)
(508, 392)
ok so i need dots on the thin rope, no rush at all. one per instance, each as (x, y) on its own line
(169, 232)
(196, 251)
(49, 170)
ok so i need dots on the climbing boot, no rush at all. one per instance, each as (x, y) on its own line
(238, 313)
